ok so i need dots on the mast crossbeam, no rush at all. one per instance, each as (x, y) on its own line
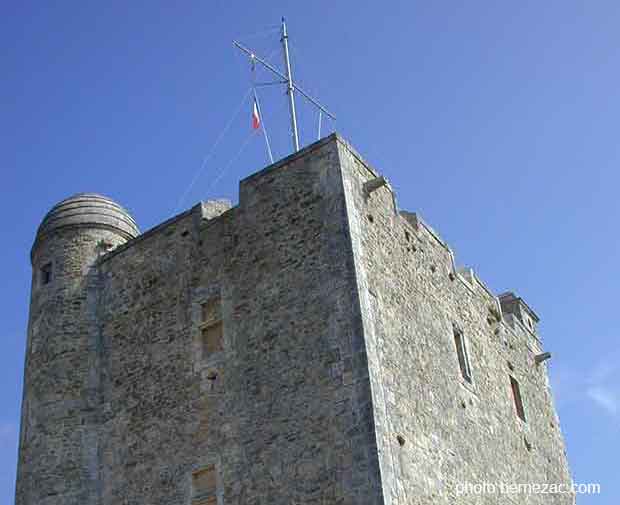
(285, 79)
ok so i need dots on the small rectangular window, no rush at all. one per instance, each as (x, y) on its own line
(212, 339)
(211, 327)
(516, 394)
(204, 486)
(46, 273)
(463, 355)
(211, 310)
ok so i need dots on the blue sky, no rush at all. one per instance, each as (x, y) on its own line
(497, 121)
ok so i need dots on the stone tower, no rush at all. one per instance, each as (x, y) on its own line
(311, 345)
(61, 404)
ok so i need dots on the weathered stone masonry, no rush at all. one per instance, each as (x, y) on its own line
(297, 348)
(454, 432)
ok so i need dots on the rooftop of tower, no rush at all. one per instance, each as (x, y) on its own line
(90, 210)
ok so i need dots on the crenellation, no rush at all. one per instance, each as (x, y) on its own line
(389, 271)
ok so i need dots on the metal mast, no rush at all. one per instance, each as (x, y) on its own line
(287, 79)
(290, 90)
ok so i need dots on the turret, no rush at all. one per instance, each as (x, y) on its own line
(514, 306)
(58, 455)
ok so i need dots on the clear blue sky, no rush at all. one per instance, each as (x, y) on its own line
(497, 121)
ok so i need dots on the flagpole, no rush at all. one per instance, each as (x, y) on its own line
(262, 124)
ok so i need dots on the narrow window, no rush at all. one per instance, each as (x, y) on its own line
(211, 339)
(46, 273)
(516, 394)
(211, 328)
(204, 486)
(211, 310)
(463, 355)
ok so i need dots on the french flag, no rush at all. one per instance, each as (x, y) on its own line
(255, 116)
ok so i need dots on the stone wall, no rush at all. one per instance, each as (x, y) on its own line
(437, 430)
(58, 457)
(280, 415)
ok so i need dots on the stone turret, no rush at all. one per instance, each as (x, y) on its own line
(58, 462)
(514, 306)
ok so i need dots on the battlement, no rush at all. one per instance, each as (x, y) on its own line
(224, 223)
(515, 307)
(211, 209)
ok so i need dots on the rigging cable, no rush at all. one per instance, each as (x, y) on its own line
(211, 151)
(241, 149)
(297, 53)
(220, 173)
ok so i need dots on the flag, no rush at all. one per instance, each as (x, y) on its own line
(255, 116)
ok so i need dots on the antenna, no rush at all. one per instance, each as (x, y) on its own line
(291, 86)
(290, 90)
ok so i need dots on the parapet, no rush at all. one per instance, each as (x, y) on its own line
(515, 306)
(512, 306)
(88, 210)
(214, 208)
